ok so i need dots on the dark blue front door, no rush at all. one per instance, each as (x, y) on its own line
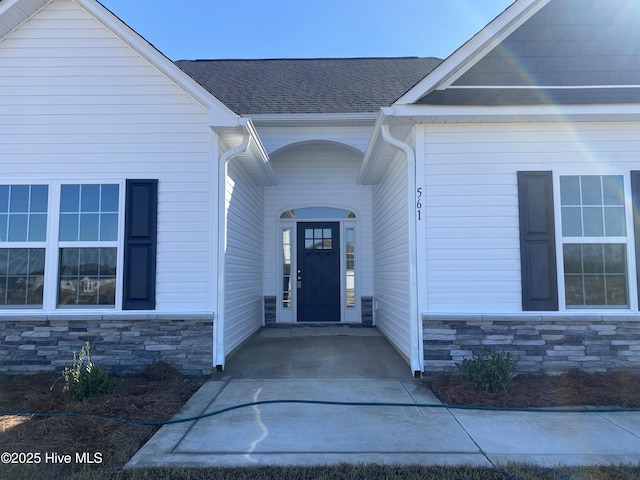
(318, 275)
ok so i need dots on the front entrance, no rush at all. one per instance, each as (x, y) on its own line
(318, 272)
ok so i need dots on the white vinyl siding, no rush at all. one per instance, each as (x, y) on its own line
(473, 259)
(243, 258)
(76, 103)
(391, 256)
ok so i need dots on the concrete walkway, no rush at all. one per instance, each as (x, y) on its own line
(358, 365)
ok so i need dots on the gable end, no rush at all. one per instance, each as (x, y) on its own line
(569, 52)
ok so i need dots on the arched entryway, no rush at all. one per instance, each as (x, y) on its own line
(318, 223)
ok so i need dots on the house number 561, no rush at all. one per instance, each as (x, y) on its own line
(419, 202)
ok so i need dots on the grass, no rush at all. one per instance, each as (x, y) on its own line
(160, 392)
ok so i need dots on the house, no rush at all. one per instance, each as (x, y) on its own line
(167, 211)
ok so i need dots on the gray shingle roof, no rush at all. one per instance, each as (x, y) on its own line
(293, 86)
(567, 43)
(592, 45)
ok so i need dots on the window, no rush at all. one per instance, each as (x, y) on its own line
(318, 212)
(317, 239)
(88, 238)
(74, 257)
(350, 266)
(23, 232)
(594, 240)
(286, 268)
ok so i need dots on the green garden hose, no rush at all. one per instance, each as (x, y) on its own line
(323, 402)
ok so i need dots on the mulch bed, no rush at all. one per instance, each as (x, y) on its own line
(157, 394)
(571, 389)
(160, 392)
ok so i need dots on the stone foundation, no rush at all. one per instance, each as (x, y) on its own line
(366, 305)
(545, 344)
(122, 343)
(270, 310)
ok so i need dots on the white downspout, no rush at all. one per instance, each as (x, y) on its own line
(219, 352)
(417, 346)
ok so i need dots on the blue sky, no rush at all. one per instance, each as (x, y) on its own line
(193, 29)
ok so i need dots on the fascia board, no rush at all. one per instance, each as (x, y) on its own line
(260, 153)
(372, 148)
(313, 119)
(219, 112)
(475, 49)
(417, 112)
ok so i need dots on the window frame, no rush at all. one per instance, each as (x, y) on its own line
(627, 241)
(30, 244)
(52, 247)
(118, 244)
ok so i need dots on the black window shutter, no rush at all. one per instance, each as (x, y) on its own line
(140, 245)
(537, 242)
(635, 195)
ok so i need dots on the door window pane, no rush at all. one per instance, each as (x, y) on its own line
(317, 239)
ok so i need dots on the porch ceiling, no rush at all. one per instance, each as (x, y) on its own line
(254, 159)
(380, 154)
(15, 12)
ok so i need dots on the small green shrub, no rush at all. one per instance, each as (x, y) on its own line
(84, 379)
(489, 372)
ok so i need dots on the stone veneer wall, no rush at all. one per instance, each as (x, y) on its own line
(122, 343)
(545, 344)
